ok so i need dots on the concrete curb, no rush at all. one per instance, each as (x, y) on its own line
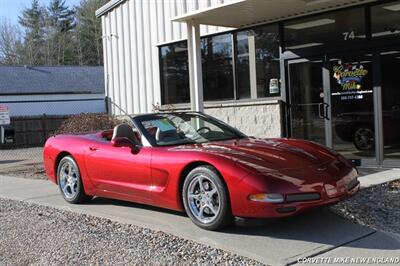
(379, 178)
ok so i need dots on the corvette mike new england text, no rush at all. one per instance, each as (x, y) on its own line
(349, 260)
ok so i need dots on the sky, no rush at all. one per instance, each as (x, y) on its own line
(11, 9)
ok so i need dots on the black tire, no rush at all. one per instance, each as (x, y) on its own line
(79, 196)
(224, 216)
(363, 138)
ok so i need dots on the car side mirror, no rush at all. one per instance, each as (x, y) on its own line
(125, 142)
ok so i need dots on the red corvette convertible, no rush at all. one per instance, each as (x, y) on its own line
(193, 162)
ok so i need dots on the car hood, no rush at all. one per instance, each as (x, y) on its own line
(272, 154)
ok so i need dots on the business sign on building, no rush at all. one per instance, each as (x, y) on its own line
(351, 79)
(4, 115)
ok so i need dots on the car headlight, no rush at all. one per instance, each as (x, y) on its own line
(271, 198)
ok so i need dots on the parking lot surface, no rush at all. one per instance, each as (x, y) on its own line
(277, 242)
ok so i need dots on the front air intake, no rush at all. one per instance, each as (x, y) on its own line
(303, 197)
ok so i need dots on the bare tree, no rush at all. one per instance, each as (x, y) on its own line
(10, 43)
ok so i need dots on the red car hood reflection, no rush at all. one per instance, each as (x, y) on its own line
(276, 154)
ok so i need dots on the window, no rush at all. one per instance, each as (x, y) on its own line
(217, 65)
(328, 29)
(174, 73)
(257, 62)
(385, 20)
(186, 128)
(257, 66)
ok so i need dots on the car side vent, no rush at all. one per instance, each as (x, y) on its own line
(303, 197)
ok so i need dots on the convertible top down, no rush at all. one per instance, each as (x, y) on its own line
(193, 162)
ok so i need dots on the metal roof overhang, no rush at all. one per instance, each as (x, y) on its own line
(243, 13)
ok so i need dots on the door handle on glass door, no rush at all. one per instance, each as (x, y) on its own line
(319, 110)
(326, 111)
(323, 110)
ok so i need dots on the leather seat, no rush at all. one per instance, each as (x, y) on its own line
(125, 131)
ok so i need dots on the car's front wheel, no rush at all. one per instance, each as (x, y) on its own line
(70, 181)
(205, 198)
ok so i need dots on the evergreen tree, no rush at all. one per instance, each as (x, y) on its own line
(32, 19)
(61, 16)
(60, 35)
(89, 33)
(60, 22)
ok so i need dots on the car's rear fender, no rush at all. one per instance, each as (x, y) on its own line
(63, 145)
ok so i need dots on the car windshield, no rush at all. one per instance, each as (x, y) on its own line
(187, 128)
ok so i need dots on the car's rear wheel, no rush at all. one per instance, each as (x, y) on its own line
(70, 181)
(205, 198)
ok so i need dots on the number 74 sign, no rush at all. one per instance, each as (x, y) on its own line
(349, 35)
(4, 115)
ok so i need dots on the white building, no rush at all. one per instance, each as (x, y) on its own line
(315, 69)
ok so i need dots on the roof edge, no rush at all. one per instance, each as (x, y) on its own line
(107, 7)
(189, 15)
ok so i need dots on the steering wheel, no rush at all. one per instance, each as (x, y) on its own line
(203, 128)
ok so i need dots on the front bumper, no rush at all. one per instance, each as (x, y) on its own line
(330, 195)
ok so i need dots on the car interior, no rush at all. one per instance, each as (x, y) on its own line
(125, 131)
(122, 130)
(166, 132)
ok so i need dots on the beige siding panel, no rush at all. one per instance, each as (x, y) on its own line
(141, 56)
(128, 59)
(121, 32)
(167, 21)
(105, 47)
(148, 55)
(133, 59)
(154, 56)
(160, 21)
(203, 28)
(115, 59)
(176, 26)
(109, 62)
(182, 9)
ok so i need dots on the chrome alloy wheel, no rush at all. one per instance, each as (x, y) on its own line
(203, 199)
(69, 180)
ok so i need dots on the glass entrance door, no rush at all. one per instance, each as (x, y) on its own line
(390, 65)
(308, 110)
(332, 103)
(352, 105)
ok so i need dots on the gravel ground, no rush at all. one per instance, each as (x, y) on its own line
(25, 163)
(377, 207)
(25, 170)
(39, 235)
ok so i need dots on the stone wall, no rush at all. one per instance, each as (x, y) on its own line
(259, 119)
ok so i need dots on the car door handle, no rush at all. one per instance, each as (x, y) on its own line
(93, 148)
